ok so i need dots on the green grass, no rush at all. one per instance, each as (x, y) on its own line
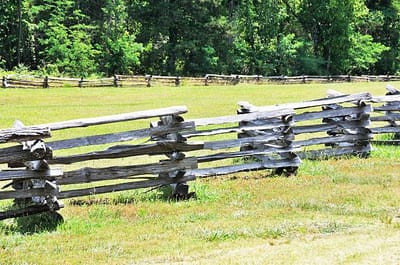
(338, 211)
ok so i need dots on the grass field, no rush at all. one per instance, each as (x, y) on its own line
(340, 211)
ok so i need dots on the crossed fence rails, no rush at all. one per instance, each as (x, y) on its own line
(174, 151)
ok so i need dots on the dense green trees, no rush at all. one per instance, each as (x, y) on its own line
(336, 31)
(188, 37)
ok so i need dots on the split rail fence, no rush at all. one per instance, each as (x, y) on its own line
(25, 81)
(173, 151)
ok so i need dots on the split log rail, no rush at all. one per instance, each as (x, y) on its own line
(25, 81)
(386, 116)
(37, 183)
(173, 151)
(339, 127)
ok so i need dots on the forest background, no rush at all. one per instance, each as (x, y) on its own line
(194, 37)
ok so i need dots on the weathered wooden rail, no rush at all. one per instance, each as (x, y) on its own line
(386, 116)
(173, 151)
(273, 137)
(37, 183)
(24, 81)
(338, 127)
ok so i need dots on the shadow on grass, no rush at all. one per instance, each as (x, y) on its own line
(163, 193)
(33, 224)
(38, 223)
(27, 219)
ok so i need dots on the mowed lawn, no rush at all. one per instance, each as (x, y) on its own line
(339, 211)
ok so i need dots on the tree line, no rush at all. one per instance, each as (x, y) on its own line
(192, 38)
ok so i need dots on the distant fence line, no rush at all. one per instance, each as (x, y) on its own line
(255, 138)
(25, 81)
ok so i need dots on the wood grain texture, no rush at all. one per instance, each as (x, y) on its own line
(115, 118)
(24, 134)
(85, 175)
(49, 174)
(121, 137)
(130, 150)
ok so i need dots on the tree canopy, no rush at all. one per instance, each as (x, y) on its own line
(192, 38)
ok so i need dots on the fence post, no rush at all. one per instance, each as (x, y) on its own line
(46, 82)
(148, 80)
(116, 81)
(4, 82)
(206, 80)
(284, 137)
(180, 188)
(235, 80)
(391, 91)
(43, 182)
(356, 126)
(177, 81)
(80, 82)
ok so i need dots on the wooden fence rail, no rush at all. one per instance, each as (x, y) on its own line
(338, 128)
(173, 151)
(387, 116)
(40, 186)
(25, 81)
(34, 180)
